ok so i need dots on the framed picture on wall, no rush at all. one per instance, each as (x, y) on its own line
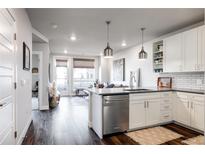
(26, 57)
(119, 70)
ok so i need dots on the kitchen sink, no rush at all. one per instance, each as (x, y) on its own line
(136, 89)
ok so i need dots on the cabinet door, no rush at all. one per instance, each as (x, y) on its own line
(189, 46)
(183, 111)
(201, 48)
(153, 112)
(197, 115)
(137, 114)
(173, 53)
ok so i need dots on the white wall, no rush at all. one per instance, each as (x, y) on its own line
(23, 92)
(44, 48)
(132, 63)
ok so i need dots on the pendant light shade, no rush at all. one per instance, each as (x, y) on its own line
(142, 53)
(108, 51)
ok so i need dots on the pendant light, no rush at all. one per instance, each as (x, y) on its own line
(142, 53)
(108, 52)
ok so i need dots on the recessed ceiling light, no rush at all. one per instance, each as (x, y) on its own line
(54, 26)
(65, 51)
(73, 38)
(123, 44)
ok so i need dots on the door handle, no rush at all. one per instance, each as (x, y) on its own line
(147, 104)
(144, 104)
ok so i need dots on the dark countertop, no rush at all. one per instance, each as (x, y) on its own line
(113, 91)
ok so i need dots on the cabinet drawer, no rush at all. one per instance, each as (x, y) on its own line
(144, 96)
(165, 116)
(182, 95)
(165, 107)
(166, 94)
(199, 98)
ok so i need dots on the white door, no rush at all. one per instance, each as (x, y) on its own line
(7, 29)
(183, 111)
(201, 48)
(197, 115)
(189, 46)
(153, 112)
(137, 116)
(173, 53)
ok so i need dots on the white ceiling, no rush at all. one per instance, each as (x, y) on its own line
(90, 28)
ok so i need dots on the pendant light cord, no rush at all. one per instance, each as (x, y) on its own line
(142, 29)
(108, 22)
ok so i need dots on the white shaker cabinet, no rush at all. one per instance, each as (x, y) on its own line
(201, 49)
(197, 112)
(173, 53)
(144, 110)
(189, 48)
(182, 111)
(185, 52)
(190, 110)
(153, 112)
(137, 114)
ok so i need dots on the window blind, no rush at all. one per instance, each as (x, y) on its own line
(83, 63)
(61, 63)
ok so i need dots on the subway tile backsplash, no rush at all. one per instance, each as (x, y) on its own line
(190, 80)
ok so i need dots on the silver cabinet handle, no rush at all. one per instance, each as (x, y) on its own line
(188, 104)
(147, 104)
(144, 104)
(192, 105)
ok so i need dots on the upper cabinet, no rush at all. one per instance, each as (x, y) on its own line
(201, 48)
(189, 50)
(173, 54)
(185, 51)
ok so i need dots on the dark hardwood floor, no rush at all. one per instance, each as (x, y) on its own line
(67, 124)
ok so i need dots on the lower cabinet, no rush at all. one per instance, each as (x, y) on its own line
(153, 111)
(137, 114)
(190, 110)
(155, 108)
(145, 110)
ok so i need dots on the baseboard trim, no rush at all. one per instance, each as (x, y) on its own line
(23, 134)
(44, 108)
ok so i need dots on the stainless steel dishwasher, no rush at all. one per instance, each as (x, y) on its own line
(115, 113)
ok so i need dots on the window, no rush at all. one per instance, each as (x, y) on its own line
(62, 76)
(83, 73)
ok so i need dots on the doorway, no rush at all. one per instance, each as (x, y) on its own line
(36, 80)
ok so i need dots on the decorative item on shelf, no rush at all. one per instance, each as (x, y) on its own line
(158, 57)
(142, 53)
(34, 70)
(26, 57)
(108, 51)
(164, 82)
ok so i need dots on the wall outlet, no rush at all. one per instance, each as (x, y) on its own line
(199, 82)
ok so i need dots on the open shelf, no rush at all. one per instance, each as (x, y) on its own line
(158, 57)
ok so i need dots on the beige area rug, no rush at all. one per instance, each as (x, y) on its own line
(153, 136)
(198, 140)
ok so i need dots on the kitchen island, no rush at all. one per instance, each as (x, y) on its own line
(146, 107)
